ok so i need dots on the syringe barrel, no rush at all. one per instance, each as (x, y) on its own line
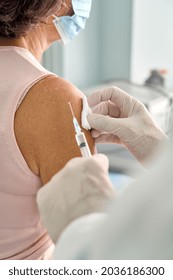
(83, 145)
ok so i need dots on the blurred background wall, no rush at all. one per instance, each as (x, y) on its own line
(100, 52)
(152, 39)
(123, 39)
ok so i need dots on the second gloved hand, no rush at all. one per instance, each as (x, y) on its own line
(80, 188)
(119, 118)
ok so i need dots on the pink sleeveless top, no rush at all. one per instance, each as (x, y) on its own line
(22, 235)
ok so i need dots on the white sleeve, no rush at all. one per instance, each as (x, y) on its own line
(77, 236)
(139, 225)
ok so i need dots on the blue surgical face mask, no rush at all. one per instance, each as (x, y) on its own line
(69, 26)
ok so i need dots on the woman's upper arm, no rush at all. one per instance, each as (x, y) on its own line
(44, 128)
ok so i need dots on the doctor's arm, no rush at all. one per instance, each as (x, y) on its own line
(80, 188)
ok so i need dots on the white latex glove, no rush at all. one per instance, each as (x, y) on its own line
(119, 118)
(80, 188)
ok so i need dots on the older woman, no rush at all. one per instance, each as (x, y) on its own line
(36, 132)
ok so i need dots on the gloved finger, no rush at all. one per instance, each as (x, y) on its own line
(88, 166)
(114, 94)
(86, 163)
(104, 123)
(101, 108)
(107, 138)
(95, 133)
(101, 160)
(104, 137)
(107, 108)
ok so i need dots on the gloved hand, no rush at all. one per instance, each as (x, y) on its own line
(119, 118)
(80, 188)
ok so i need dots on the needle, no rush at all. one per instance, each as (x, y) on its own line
(80, 136)
(71, 109)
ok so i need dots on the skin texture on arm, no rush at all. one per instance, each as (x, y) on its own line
(44, 129)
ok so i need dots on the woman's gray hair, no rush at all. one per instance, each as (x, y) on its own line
(19, 17)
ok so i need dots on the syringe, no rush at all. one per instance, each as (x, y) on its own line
(80, 136)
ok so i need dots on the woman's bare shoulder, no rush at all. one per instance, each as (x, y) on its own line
(43, 126)
(54, 88)
(57, 87)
